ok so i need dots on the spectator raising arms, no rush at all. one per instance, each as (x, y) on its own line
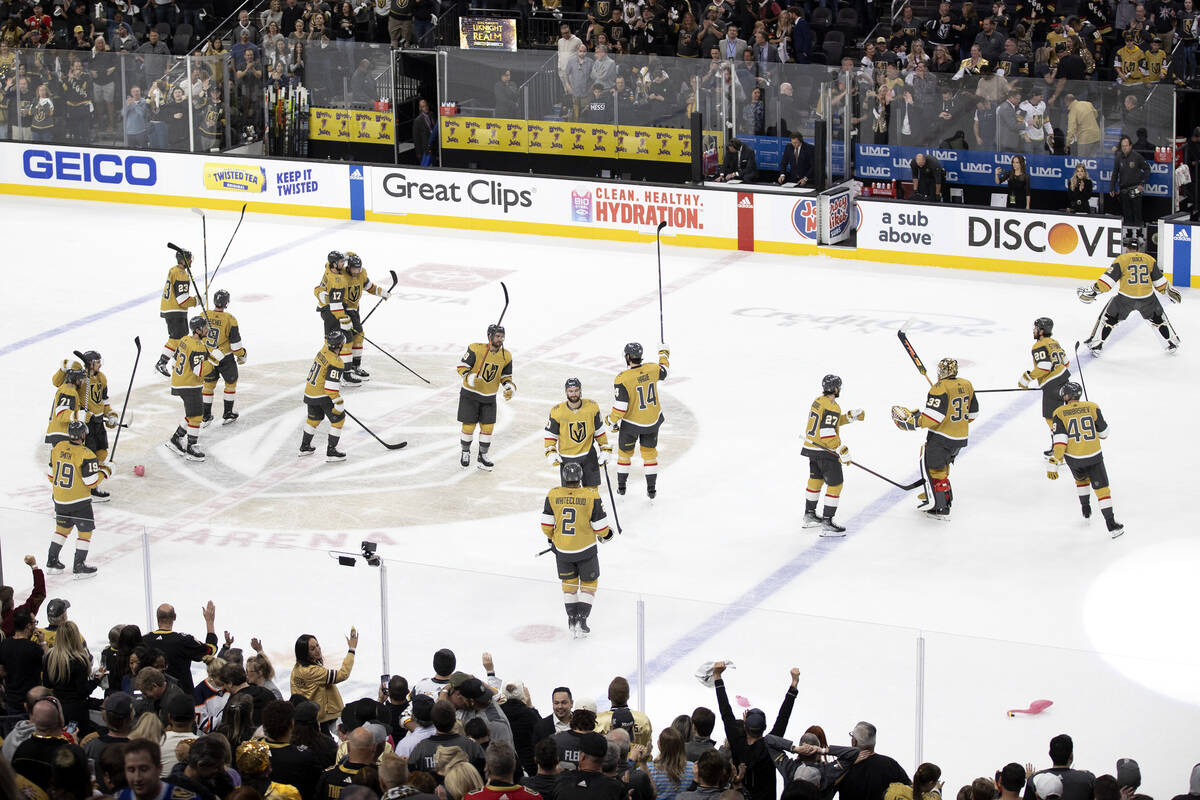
(313, 681)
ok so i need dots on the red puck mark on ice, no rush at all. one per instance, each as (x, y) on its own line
(538, 633)
(1036, 707)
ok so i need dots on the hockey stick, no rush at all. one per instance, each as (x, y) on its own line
(396, 446)
(504, 310)
(1079, 369)
(613, 500)
(1030, 389)
(227, 246)
(395, 280)
(905, 486)
(137, 342)
(912, 353)
(204, 238)
(543, 552)
(393, 358)
(87, 386)
(658, 245)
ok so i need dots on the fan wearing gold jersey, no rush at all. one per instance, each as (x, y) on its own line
(1157, 61)
(224, 337)
(1136, 277)
(575, 431)
(357, 283)
(950, 407)
(826, 455)
(1049, 371)
(323, 397)
(573, 519)
(331, 303)
(637, 414)
(176, 300)
(1078, 428)
(485, 368)
(193, 360)
(74, 473)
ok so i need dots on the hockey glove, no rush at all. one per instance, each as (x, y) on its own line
(1086, 293)
(1025, 379)
(111, 419)
(843, 454)
(903, 418)
(552, 458)
(338, 402)
(385, 295)
(509, 388)
(605, 455)
(1173, 295)
(241, 357)
(606, 538)
(1052, 467)
(346, 323)
(471, 379)
(614, 425)
(856, 415)
(106, 470)
(663, 350)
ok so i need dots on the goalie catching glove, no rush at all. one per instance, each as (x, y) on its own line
(904, 418)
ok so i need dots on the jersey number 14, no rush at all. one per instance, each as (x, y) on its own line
(647, 395)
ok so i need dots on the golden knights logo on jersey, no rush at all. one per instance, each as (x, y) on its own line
(577, 432)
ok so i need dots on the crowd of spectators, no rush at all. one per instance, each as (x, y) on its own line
(132, 724)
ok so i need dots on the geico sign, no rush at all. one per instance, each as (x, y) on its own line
(73, 165)
(1037, 236)
(480, 192)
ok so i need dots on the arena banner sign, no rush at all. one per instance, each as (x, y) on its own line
(875, 162)
(956, 235)
(553, 206)
(1178, 248)
(352, 125)
(589, 140)
(312, 188)
(487, 33)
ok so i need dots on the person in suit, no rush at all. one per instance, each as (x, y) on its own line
(1008, 127)
(796, 166)
(739, 164)
(765, 53)
(731, 46)
(424, 134)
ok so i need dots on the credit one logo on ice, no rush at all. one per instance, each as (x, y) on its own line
(74, 165)
(1038, 236)
(480, 192)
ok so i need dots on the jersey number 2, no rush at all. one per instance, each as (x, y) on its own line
(568, 521)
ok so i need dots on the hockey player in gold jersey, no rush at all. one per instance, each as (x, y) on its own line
(69, 403)
(193, 360)
(74, 472)
(826, 455)
(331, 303)
(575, 432)
(637, 414)
(358, 284)
(1050, 369)
(1136, 277)
(485, 368)
(225, 337)
(950, 407)
(100, 414)
(1078, 428)
(573, 519)
(323, 397)
(176, 300)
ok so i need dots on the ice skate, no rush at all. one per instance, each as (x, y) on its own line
(193, 453)
(362, 375)
(811, 520)
(206, 420)
(100, 496)
(1115, 529)
(831, 530)
(229, 417)
(485, 463)
(333, 454)
(82, 570)
(464, 459)
(177, 445)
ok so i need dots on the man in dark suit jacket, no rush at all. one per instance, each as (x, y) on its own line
(739, 164)
(796, 166)
(764, 52)
(425, 135)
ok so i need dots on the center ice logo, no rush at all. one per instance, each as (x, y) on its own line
(581, 206)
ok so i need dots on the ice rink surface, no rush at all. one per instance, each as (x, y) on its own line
(1017, 598)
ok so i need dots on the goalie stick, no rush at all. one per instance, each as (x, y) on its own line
(912, 352)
